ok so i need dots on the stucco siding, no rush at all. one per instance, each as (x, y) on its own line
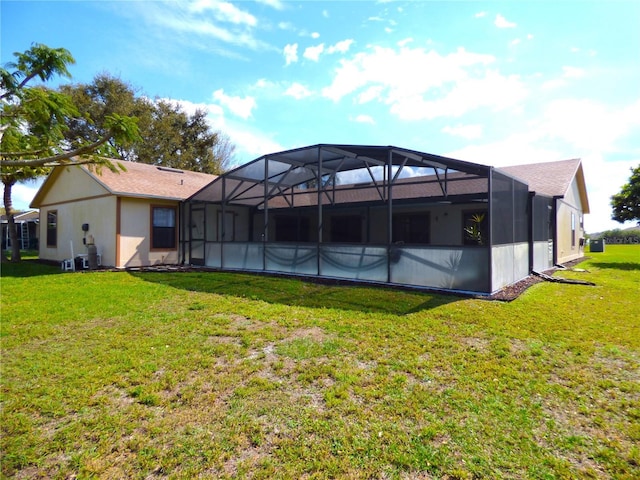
(569, 218)
(135, 235)
(98, 213)
(72, 183)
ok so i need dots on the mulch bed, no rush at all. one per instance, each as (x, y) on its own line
(513, 291)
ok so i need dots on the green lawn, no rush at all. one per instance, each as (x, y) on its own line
(218, 375)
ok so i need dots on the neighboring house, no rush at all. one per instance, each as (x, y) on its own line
(388, 215)
(26, 227)
(133, 216)
(564, 182)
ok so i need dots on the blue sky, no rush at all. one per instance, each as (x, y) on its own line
(498, 83)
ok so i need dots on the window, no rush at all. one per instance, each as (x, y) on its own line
(475, 228)
(411, 228)
(163, 228)
(291, 228)
(52, 228)
(573, 229)
(346, 229)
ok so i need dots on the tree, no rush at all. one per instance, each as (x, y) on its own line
(626, 204)
(168, 135)
(33, 123)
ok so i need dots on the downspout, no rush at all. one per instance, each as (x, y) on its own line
(554, 219)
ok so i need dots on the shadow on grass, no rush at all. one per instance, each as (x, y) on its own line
(302, 293)
(629, 266)
(28, 268)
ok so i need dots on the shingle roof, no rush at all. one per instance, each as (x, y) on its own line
(142, 180)
(547, 178)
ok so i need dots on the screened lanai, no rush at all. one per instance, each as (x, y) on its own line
(378, 214)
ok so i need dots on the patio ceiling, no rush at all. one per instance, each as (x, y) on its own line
(277, 174)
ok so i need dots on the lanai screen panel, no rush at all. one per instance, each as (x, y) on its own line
(509, 199)
(339, 174)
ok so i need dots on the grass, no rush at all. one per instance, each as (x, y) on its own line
(220, 375)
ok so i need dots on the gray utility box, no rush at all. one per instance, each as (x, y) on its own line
(597, 245)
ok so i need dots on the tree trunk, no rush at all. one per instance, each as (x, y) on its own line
(11, 224)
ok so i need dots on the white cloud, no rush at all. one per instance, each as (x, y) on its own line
(470, 132)
(252, 145)
(530, 36)
(405, 42)
(315, 35)
(214, 112)
(588, 125)
(601, 187)
(288, 26)
(225, 12)
(240, 106)
(480, 14)
(313, 53)
(325, 13)
(291, 53)
(568, 73)
(298, 91)
(516, 41)
(372, 93)
(22, 193)
(517, 148)
(341, 47)
(572, 72)
(493, 91)
(364, 119)
(396, 78)
(401, 72)
(502, 22)
(573, 128)
(264, 83)
(195, 20)
(277, 4)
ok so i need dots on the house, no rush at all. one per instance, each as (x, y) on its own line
(564, 182)
(26, 228)
(133, 216)
(388, 215)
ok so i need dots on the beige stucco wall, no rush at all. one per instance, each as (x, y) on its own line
(78, 199)
(569, 204)
(135, 234)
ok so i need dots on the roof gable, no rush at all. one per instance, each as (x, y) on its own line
(552, 178)
(138, 180)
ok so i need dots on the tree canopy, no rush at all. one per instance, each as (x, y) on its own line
(169, 136)
(626, 203)
(34, 121)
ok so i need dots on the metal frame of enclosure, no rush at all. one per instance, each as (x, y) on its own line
(378, 214)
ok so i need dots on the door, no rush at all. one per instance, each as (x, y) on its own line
(197, 234)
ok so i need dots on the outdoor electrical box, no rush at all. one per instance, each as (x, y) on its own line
(85, 227)
(597, 245)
